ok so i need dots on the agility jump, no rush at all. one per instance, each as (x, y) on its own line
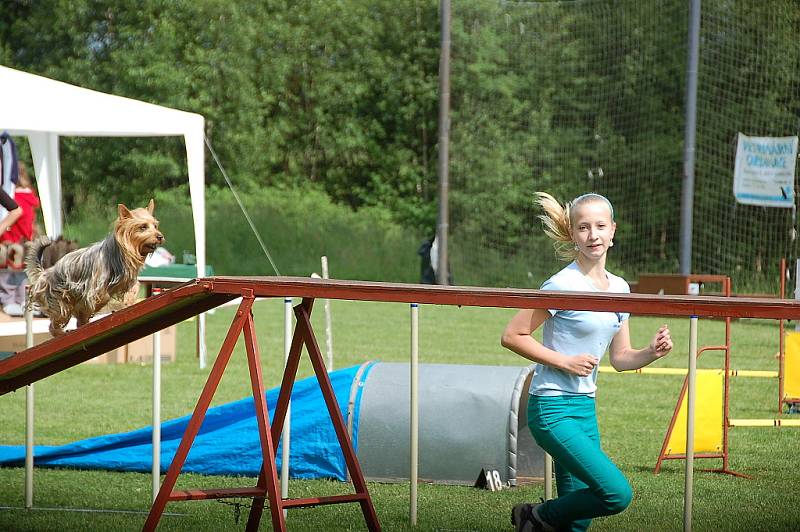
(201, 295)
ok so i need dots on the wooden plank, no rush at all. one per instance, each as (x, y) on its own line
(644, 304)
(333, 499)
(200, 295)
(214, 493)
(105, 334)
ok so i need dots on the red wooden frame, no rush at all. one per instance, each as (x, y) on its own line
(200, 295)
(267, 486)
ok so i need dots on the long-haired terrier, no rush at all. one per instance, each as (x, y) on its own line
(85, 280)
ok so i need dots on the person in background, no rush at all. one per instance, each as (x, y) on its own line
(427, 273)
(14, 211)
(15, 234)
(429, 265)
(561, 406)
(23, 229)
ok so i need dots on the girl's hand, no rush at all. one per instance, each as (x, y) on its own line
(581, 365)
(662, 342)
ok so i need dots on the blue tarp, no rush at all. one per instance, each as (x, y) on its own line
(227, 443)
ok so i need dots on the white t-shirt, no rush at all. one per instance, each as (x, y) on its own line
(572, 332)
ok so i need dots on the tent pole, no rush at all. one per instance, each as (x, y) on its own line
(548, 477)
(29, 417)
(201, 339)
(156, 436)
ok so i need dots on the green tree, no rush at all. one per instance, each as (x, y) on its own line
(335, 95)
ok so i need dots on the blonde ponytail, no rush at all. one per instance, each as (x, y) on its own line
(556, 225)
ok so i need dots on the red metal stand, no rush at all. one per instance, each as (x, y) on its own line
(267, 487)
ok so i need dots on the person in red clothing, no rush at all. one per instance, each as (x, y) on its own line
(13, 282)
(26, 197)
(22, 230)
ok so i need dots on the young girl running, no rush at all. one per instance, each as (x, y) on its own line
(561, 407)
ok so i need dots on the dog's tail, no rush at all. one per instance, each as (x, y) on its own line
(33, 258)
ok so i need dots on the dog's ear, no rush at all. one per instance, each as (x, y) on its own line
(151, 206)
(123, 212)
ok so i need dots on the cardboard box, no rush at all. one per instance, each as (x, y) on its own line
(12, 340)
(14, 343)
(117, 356)
(141, 351)
(12, 333)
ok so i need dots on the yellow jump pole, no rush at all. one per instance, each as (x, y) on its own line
(690, 400)
(758, 373)
(777, 422)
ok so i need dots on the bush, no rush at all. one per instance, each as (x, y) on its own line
(297, 227)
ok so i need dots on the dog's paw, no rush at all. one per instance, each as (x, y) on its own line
(55, 332)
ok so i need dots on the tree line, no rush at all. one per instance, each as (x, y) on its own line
(342, 97)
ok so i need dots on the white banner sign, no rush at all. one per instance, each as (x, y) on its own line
(764, 171)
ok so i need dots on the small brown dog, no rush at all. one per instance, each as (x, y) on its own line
(85, 280)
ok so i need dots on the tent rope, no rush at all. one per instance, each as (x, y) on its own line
(241, 206)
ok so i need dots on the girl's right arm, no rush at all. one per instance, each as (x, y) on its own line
(517, 337)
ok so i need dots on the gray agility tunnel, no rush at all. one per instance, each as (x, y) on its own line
(470, 417)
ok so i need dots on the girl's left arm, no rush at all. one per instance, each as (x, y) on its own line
(624, 357)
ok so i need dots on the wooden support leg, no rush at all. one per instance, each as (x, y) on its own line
(242, 315)
(267, 487)
(268, 470)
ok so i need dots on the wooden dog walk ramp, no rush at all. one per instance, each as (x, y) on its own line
(105, 334)
(200, 295)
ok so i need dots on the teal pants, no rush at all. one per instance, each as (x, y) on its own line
(589, 484)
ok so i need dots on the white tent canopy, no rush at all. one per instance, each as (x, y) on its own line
(43, 110)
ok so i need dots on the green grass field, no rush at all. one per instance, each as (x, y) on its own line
(634, 411)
